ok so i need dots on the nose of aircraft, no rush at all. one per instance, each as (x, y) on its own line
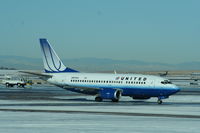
(175, 89)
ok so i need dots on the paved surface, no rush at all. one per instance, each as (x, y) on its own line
(43, 109)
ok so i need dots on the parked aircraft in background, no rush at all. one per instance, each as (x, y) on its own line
(101, 85)
(163, 74)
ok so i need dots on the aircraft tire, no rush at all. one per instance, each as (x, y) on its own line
(159, 101)
(18, 85)
(98, 99)
(7, 85)
(115, 100)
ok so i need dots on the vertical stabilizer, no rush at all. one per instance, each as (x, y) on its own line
(52, 63)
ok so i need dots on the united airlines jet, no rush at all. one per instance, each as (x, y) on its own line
(102, 85)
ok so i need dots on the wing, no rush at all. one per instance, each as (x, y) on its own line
(81, 89)
(88, 90)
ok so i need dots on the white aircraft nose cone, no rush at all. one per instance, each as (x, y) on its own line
(176, 89)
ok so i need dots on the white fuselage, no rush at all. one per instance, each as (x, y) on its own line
(128, 83)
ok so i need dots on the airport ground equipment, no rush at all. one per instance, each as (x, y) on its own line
(12, 83)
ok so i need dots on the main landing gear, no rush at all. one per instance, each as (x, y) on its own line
(98, 99)
(115, 100)
(159, 101)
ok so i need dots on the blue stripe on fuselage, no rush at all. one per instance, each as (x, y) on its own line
(151, 92)
(131, 91)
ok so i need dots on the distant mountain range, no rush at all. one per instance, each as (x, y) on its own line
(97, 64)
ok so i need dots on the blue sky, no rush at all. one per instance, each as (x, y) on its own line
(147, 30)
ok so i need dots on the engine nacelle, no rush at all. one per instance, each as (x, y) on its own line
(113, 94)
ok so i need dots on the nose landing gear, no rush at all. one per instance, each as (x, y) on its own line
(160, 99)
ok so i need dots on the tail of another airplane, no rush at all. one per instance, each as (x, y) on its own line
(52, 63)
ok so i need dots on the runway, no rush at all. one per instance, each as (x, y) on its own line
(52, 109)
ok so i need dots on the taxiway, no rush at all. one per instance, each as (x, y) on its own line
(52, 109)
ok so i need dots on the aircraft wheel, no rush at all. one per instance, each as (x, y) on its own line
(7, 85)
(98, 99)
(18, 85)
(159, 101)
(115, 100)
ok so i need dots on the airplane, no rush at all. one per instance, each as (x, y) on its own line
(163, 74)
(110, 86)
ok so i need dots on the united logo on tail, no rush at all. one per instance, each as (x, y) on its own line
(52, 63)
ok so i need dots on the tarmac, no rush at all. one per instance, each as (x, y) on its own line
(42, 109)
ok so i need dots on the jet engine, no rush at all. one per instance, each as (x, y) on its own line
(113, 94)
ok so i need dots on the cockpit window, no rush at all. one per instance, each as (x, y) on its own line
(166, 82)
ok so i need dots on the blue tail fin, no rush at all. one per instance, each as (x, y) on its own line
(52, 63)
